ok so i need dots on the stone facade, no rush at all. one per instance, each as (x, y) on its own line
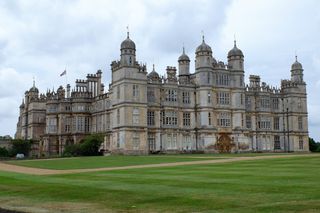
(210, 110)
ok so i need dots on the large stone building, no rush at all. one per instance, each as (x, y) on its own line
(211, 109)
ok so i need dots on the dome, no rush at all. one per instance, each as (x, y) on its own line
(235, 51)
(128, 43)
(296, 65)
(34, 88)
(203, 47)
(153, 75)
(184, 56)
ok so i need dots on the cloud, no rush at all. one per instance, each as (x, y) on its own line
(42, 38)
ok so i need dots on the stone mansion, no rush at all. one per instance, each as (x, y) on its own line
(210, 109)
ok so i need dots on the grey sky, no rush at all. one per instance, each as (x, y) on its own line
(41, 38)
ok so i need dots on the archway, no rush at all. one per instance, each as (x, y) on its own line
(224, 144)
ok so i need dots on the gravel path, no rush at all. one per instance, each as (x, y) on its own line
(38, 171)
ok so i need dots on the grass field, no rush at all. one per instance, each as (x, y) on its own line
(115, 161)
(273, 185)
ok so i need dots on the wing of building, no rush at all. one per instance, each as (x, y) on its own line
(210, 110)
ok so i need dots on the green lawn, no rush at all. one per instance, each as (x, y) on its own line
(273, 185)
(114, 161)
(105, 161)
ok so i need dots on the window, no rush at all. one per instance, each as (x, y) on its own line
(135, 90)
(86, 124)
(150, 118)
(222, 80)
(67, 124)
(186, 97)
(152, 142)
(135, 140)
(135, 116)
(118, 140)
(241, 81)
(275, 103)
(52, 125)
(186, 119)
(241, 99)
(171, 95)
(264, 123)
(171, 141)
(118, 116)
(248, 102)
(150, 95)
(300, 124)
(248, 121)
(209, 118)
(209, 97)
(264, 102)
(276, 125)
(224, 119)
(277, 142)
(223, 98)
(80, 124)
(187, 142)
(300, 142)
(208, 78)
(169, 118)
(108, 121)
(118, 92)
(300, 104)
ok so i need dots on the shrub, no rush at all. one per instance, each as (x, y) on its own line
(4, 152)
(314, 146)
(89, 146)
(72, 150)
(20, 146)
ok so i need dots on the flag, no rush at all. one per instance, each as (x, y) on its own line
(63, 73)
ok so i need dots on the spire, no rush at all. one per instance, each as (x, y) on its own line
(34, 82)
(127, 31)
(153, 67)
(183, 52)
(202, 36)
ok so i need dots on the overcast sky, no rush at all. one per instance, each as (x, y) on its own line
(41, 38)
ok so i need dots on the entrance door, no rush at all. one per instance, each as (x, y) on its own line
(224, 144)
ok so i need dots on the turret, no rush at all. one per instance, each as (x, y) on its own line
(203, 56)
(128, 52)
(235, 58)
(297, 72)
(184, 64)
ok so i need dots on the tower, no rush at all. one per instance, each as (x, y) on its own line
(235, 58)
(128, 52)
(203, 56)
(297, 72)
(184, 64)
(129, 102)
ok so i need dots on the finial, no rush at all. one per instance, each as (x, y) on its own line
(296, 56)
(235, 40)
(153, 67)
(34, 83)
(183, 52)
(127, 31)
(202, 36)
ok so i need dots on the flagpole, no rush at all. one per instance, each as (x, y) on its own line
(66, 76)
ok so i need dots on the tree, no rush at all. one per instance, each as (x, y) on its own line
(314, 146)
(20, 146)
(4, 152)
(89, 146)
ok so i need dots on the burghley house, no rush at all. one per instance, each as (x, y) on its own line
(210, 109)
